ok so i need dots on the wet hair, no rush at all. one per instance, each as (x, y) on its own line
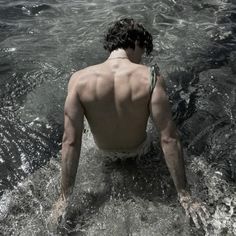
(124, 33)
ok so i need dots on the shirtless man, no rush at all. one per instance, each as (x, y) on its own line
(117, 97)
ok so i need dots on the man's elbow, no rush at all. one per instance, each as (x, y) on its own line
(69, 140)
(170, 139)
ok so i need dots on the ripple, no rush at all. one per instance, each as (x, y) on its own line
(8, 49)
(35, 9)
(43, 41)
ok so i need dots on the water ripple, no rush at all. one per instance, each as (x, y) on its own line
(43, 42)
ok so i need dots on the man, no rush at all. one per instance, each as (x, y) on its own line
(117, 97)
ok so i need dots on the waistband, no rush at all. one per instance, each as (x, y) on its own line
(141, 150)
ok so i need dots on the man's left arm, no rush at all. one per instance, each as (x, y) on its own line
(72, 138)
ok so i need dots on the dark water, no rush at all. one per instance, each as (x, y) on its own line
(42, 43)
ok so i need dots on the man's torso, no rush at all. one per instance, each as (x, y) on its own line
(115, 96)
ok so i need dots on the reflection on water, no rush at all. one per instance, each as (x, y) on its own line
(42, 43)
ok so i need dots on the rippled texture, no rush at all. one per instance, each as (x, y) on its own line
(42, 43)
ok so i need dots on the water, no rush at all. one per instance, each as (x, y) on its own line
(42, 43)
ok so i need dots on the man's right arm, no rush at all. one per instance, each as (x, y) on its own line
(170, 143)
(171, 146)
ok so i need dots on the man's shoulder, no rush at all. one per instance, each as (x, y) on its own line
(81, 74)
(141, 71)
(87, 71)
(141, 67)
(76, 79)
(80, 79)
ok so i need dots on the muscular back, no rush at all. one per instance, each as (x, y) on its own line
(115, 97)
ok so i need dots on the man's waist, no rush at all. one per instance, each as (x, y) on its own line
(140, 150)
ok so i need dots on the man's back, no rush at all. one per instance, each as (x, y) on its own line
(115, 97)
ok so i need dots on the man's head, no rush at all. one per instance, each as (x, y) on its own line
(128, 34)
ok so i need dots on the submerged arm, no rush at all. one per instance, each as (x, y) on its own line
(71, 144)
(170, 143)
(172, 149)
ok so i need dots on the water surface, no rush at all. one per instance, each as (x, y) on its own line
(42, 43)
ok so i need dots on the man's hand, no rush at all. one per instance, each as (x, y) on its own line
(194, 209)
(60, 216)
(59, 210)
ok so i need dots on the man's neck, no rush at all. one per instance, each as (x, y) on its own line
(119, 53)
(124, 54)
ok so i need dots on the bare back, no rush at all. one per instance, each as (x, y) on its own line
(115, 97)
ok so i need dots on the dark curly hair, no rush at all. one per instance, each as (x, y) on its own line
(124, 33)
